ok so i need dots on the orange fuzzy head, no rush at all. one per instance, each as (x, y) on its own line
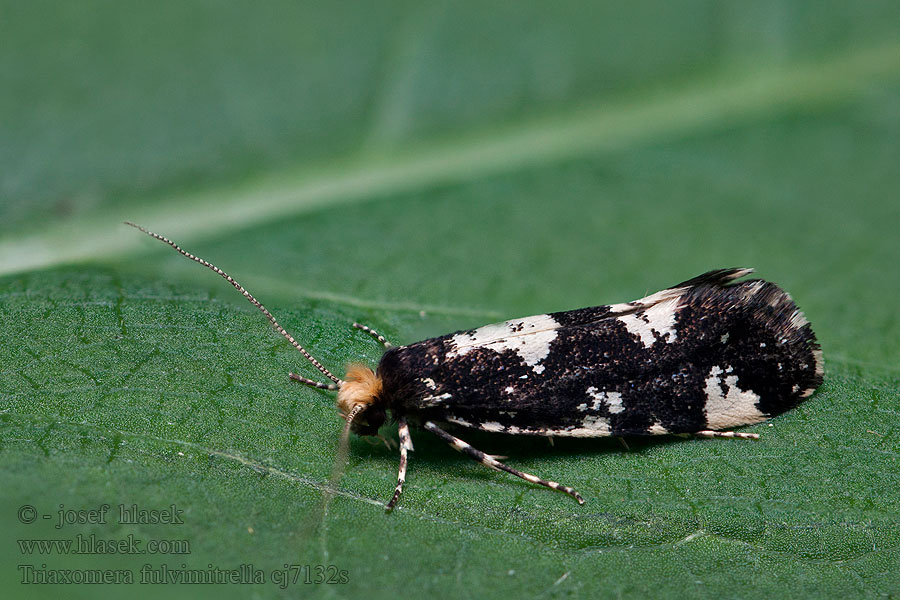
(362, 386)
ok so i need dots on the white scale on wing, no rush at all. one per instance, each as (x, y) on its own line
(736, 407)
(612, 401)
(591, 426)
(530, 338)
(658, 320)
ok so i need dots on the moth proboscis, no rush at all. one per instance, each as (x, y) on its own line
(706, 355)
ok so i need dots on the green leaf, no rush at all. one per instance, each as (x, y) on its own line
(425, 168)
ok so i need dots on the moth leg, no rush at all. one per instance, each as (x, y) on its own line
(378, 439)
(388, 442)
(405, 445)
(726, 434)
(375, 335)
(489, 461)
(311, 383)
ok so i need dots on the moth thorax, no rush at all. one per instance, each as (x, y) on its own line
(361, 386)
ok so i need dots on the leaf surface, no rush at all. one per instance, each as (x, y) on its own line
(421, 169)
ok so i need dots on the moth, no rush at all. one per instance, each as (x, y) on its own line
(703, 356)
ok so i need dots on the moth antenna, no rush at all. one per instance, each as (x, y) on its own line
(358, 408)
(312, 383)
(246, 295)
(381, 339)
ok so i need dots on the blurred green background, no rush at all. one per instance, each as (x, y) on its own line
(423, 167)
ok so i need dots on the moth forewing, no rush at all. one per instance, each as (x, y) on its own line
(704, 355)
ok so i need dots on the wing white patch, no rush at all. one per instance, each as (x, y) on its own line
(458, 421)
(597, 427)
(734, 408)
(656, 298)
(658, 319)
(491, 426)
(753, 288)
(592, 426)
(530, 338)
(612, 400)
(435, 400)
(820, 371)
(820, 362)
(429, 383)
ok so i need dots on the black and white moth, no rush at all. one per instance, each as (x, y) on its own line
(706, 355)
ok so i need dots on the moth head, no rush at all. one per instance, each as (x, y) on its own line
(359, 397)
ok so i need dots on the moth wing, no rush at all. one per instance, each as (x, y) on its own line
(700, 355)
